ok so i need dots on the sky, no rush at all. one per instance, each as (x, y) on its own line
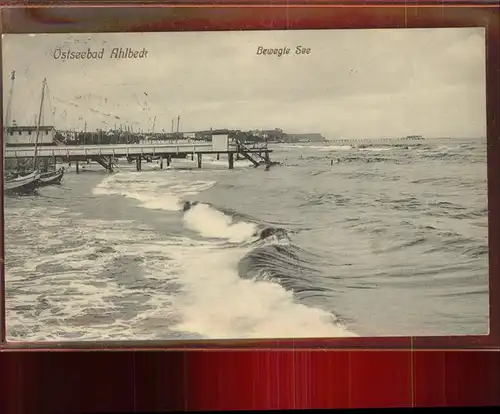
(353, 84)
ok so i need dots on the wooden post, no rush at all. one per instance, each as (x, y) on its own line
(200, 156)
(230, 157)
(138, 163)
(110, 164)
(169, 159)
(218, 156)
(77, 167)
(161, 163)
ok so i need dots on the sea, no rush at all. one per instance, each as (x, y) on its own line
(339, 240)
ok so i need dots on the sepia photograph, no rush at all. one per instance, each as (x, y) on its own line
(245, 184)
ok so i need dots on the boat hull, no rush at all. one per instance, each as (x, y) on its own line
(52, 178)
(22, 184)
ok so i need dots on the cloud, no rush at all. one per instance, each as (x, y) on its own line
(354, 83)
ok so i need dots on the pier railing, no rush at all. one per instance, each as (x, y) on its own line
(119, 150)
(106, 154)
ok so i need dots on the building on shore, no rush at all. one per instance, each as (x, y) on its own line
(270, 135)
(26, 136)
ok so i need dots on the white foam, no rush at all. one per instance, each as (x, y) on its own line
(210, 222)
(152, 190)
(213, 302)
(59, 263)
(447, 148)
(216, 303)
(211, 161)
(306, 147)
(375, 149)
(341, 147)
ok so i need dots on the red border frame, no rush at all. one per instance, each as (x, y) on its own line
(75, 18)
(61, 382)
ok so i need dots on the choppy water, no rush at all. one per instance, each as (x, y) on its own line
(386, 241)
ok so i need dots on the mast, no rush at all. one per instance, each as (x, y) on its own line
(9, 104)
(38, 125)
(7, 116)
(154, 123)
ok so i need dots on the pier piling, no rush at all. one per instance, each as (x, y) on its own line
(218, 156)
(161, 163)
(230, 157)
(77, 164)
(169, 159)
(200, 156)
(138, 163)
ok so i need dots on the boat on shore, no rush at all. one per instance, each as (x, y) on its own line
(28, 183)
(51, 178)
(22, 183)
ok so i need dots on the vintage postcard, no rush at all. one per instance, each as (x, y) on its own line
(249, 184)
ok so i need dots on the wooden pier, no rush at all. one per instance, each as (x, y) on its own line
(105, 154)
